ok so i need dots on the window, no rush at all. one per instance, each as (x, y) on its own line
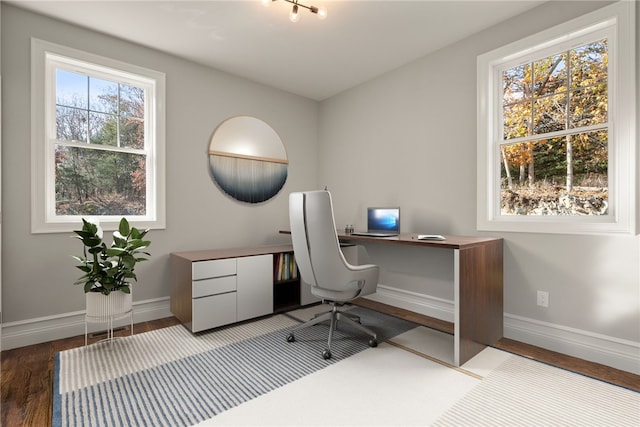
(97, 140)
(556, 130)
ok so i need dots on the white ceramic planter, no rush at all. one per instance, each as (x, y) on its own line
(103, 308)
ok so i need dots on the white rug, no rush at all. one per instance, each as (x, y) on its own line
(522, 392)
(381, 386)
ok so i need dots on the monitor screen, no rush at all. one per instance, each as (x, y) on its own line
(383, 219)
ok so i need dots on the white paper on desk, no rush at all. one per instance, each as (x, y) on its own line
(430, 237)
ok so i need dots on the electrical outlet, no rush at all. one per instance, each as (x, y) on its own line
(543, 299)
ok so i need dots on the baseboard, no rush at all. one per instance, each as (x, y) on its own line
(610, 351)
(413, 301)
(43, 329)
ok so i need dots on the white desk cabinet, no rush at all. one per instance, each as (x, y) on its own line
(219, 287)
(213, 293)
(255, 286)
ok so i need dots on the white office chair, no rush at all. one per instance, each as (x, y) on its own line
(322, 264)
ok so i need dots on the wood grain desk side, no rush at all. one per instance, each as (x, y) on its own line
(480, 298)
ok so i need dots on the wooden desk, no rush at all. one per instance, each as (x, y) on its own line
(478, 295)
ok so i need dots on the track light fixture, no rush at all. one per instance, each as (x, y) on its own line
(294, 16)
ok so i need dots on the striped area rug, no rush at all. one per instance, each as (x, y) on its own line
(171, 377)
(523, 392)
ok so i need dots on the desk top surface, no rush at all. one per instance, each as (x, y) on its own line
(211, 254)
(450, 242)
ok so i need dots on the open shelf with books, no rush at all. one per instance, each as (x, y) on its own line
(286, 282)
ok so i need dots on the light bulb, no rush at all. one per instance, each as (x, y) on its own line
(322, 12)
(294, 16)
(266, 3)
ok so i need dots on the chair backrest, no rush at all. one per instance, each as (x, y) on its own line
(315, 242)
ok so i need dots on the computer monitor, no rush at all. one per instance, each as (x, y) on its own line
(383, 219)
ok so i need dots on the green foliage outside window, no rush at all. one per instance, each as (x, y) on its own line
(555, 139)
(100, 168)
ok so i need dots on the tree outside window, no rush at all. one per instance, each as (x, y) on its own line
(99, 149)
(554, 147)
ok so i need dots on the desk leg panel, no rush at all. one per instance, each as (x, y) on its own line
(480, 298)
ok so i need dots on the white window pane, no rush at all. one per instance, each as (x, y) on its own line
(550, 75)
(131, 101)
(97, 182)
(589, 64)
(565, 176)
(550, 114)
(71, 89)
(131, 132)
(71, 124)
(516, 84)
(103, 95)
(103, 129)
(517, 120)
(589, 106)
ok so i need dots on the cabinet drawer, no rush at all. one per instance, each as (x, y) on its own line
(211, 312)
(218, 285)
(213, 268)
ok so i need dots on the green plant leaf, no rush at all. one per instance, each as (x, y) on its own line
(129, 261)
(138, 244)
(119, 241)
(89, 226)
(115, 251)
(95, 250)
(124, 227)
(82, 234)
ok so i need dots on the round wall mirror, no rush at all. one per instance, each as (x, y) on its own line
(247, 159)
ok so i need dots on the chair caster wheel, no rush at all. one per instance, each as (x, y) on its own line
(373, 343)
(326, 354)
(291, 338)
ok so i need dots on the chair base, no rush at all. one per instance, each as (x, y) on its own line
(334, 316)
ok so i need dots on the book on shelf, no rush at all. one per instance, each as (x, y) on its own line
(285, 267)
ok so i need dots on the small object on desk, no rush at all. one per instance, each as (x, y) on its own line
(348, 229)
(430, 237)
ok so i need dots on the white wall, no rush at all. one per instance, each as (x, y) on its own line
(38, 270)
(408, 138)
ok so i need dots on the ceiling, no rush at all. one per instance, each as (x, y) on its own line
(314, 58)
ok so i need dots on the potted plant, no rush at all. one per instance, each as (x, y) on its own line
(109, 270)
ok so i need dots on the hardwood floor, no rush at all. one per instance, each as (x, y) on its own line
(27, 372)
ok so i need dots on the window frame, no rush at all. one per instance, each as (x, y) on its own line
(45, 58)
(617, 23)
